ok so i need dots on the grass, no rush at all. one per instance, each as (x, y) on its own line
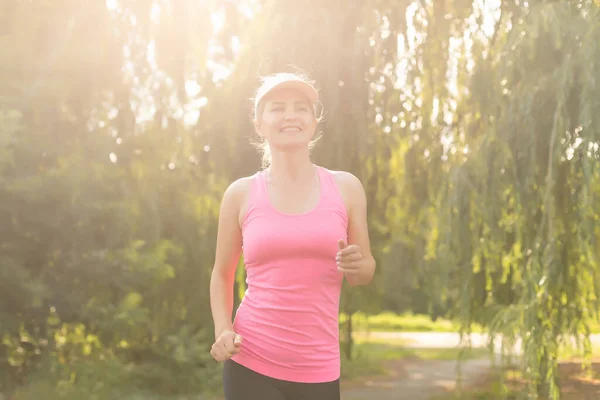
(394, 349)
(407, 322)
(383, 352)
(391, 322)
(373, 357)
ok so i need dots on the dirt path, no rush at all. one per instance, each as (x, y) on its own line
(421, 380)
(417, 380)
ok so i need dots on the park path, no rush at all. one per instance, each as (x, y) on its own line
(416, 380)
(421, 380)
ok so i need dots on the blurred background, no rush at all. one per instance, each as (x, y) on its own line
(473, 125)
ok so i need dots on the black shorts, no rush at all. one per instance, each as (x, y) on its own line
(241, 383)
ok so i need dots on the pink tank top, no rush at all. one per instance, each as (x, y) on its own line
(288, 317)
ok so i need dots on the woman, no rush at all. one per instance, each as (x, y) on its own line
(302, 228)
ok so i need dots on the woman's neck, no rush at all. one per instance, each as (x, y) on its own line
(294, 166)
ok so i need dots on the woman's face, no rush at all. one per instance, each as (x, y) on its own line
(287, 120)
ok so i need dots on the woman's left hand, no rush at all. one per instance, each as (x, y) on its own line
(355, 260)
(351, 262)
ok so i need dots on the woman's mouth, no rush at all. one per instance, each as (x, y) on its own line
(290, 129)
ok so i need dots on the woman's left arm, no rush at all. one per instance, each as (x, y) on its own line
(354, 258)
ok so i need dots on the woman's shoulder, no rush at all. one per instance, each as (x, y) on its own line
(345, 179)
(348, 184)
(238, 190)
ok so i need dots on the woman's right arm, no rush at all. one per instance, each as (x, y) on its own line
(229, 247)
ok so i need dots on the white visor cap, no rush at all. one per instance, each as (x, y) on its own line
(285, 80)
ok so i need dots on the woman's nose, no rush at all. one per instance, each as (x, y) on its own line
(290, 115)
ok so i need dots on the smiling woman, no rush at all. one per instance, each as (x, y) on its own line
(302, 228)
(294, 94)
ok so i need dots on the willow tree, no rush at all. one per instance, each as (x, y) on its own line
(492, 114)
(515, 237)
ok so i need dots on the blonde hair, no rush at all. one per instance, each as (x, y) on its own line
(262, 145)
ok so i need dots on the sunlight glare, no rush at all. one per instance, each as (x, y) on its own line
(246, 10)
(112, 113)
(192, 88)
(151, 54)
(155, 13)
(236, 45)
(220, 72)
(490, 10)
(218, 20)
(191, 117)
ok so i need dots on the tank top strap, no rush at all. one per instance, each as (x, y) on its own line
(332, 198)
(255, 197)
(258, 188)
(328, 185)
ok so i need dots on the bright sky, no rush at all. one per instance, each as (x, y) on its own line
(488, 9)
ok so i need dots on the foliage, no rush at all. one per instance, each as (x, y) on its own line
(474, 127)
(391, 322)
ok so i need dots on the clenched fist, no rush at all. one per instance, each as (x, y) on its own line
(226, 345)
